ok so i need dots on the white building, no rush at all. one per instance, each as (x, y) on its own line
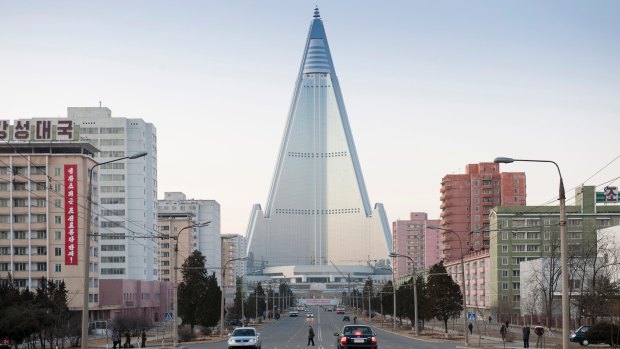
(206, 239)
(127, 192)
(318, 212)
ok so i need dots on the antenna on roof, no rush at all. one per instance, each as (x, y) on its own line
(316, 12)
(99, 104)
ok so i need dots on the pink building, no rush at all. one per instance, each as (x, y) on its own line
(467, 200)
(413, 238)
(477, 281)
(145, 299)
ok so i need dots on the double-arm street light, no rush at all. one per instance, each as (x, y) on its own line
(465, 330)
(415, 292)
(175, 334)
(222, 298)
(563, 246)
(87, 243)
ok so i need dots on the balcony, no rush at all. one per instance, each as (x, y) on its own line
(443, 197)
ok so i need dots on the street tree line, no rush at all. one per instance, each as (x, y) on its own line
(41, 316)
(438, 296)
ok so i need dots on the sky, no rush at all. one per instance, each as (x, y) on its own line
(429, 87)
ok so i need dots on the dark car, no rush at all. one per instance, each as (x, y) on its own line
(356, 337)
(346, 318)
(235, 322)
(599, 333)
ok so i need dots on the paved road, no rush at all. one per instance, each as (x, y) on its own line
(292, 333)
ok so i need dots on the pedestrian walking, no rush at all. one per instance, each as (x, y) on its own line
(471, 328)
(127, 340)
(502, 331)
(310, 336)
(143, 344)
(526, 336)
(116, 339)
(540, 331)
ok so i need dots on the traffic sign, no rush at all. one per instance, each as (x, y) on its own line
(471, 316)
(168, 315)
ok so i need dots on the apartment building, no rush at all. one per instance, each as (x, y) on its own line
(466, 202)
(416, 238)
(127, 210)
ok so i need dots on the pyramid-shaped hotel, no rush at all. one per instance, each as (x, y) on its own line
(318, 213)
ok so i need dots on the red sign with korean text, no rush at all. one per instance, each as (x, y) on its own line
(71, 215)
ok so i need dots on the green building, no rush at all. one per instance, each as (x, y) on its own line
(521, 233)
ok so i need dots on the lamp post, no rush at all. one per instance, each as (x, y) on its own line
(415, 293)
(87, 243)
(465, 330)
(175, 333)
(563, 246)
(222, 298)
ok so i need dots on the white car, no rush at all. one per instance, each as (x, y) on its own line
(310, 314)
(244, 337)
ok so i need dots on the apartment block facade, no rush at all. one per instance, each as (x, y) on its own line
(466, 202)
(177, 212)
(410, 238)
(43, 191)
(127, 210)
(525, 233)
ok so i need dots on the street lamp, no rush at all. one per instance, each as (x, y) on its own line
(222, 298)
(465, 330)
(87, 243)
(415, 292)
(175, 337)
(563, 246)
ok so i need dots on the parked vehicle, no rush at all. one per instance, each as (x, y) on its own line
(356, 337)
(346, 318)
(244, 337)
(599, 333)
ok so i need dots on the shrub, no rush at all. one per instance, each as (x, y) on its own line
(186, 334)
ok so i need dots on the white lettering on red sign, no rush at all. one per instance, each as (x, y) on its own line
(71, 215)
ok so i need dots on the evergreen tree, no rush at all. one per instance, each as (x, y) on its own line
(446, 300)
(234, 312)
(198, 293)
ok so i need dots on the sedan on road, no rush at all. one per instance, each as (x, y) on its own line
(356, 337)
(244, 337)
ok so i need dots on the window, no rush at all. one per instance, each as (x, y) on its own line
(57, 235)
(41, 267)
(516, 298)
(516, 191)
(111, 142)
(516, 285)
(113, 166)
(533, 248)
(516, 273)
(108, 248)
(19, 266)
(57, 251)
(518, 248)
(39, 234)
(58, 268)
(19, 251)
(504, 273)
(57, 220)
(111, 130)
(112, 224)
(38, 218)
(504, 285)
(112, 201)
(42, 250)
(112, 154)
(574, 235)
(57, 169)
(116, 259)
(533, 235)
(504, 248)
(112, 271)
(4, 234)
(112, 177)
(504, 260)
(112, 189)
(518, 260)
(519, 235)
(19, 235)
(107, 213)
(574, 222)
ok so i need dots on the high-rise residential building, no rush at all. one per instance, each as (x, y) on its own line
(466, 201)
(318, 212)
(409, 238)
(43, 190)
(233, 250)
(126, 215)
(524, 233)
(177, 212)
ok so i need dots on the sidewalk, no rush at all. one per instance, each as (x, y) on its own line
(484, 339)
